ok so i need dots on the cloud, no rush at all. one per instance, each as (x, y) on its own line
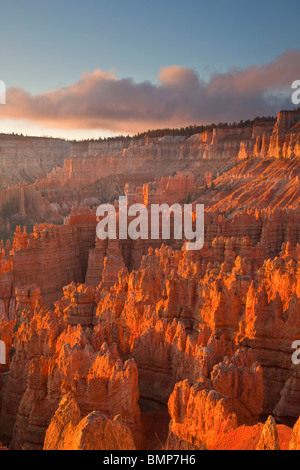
(99, 100)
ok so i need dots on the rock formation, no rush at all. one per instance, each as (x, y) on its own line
(269, 439)
(94, 432)
(123, 344)
(51, 359)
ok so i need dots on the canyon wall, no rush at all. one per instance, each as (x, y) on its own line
(90, 172)
(28, 158)
(49, 257)
(143, 339)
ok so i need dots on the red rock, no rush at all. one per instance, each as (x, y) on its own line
(247, 438)
(199, 418)
(151, 318)
(269, 439)
(295, 437)
(94, 432)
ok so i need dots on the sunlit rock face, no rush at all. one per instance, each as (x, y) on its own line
(123, 344)
(67, 431)
(53, 358)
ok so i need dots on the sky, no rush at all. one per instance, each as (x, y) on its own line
(79, 69)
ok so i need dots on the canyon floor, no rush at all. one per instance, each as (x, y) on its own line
(143, 344)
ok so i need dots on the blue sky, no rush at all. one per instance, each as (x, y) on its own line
(48, 45)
